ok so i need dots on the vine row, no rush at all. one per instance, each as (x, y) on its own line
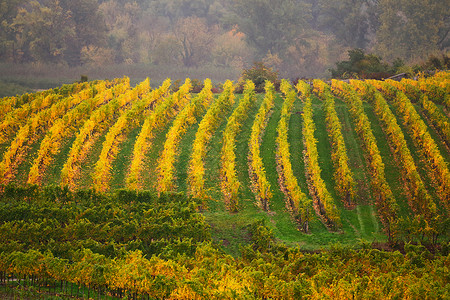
(433, 90)
(384, 199)
(260, 186)
(206, 129)
(128, 120)
(99, 120)
(419, 199)
(438, 171)
(229, 182)
(66, 126)
(323, 202)
(431, 110)
(33, 129)
(343, 176)
(166, 108)
(187, 117)
(438, 119)
(13, 118)
(296, 201)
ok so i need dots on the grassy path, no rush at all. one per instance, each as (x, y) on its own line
(242, 148)
(212, 163)
(185, 149)
(355, 153)
(122, 162)
(24, 167)
(231, 229)
(53, 173)
(84, 181)
(149, 173)
(284, 225)
(356, 223)
(295, 139)
(365, 210)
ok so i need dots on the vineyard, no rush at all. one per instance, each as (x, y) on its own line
(94, 171)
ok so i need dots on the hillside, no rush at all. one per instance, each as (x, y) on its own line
(106, 135)
(178, 192)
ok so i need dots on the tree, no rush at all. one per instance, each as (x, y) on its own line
(270, 26)
(167, 50)
(195, 39)
(8, 10)
(413, 29)
(361, 65)
(259, 74)
(89, 28)
(43, 32)
(57, 31)
(153, 30)
(352, 22)
(121, 22)
(311, 55)
(181, 9)
(230, 49)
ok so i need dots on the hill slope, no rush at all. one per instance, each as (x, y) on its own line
(51, 133)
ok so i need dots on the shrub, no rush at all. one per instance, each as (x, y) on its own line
(261, 235)
(361, 65)
(258, 73)
(435, 63)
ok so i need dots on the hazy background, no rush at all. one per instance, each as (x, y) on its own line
(208, 38)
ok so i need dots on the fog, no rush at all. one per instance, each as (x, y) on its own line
(298, 38)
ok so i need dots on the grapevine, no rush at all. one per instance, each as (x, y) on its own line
(66, 126)
(260, 185)
(419, 199)
(164, 111)
(99, 120)
(34, 128)
(229, 182)
(384, 199)
(343, 176)
(323, 202)
(296, 201)
(206, 129)
(438, 171)
(184, 119)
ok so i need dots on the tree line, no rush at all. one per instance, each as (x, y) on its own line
(294, 36)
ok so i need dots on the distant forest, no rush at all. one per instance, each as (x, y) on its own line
(294, 36)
